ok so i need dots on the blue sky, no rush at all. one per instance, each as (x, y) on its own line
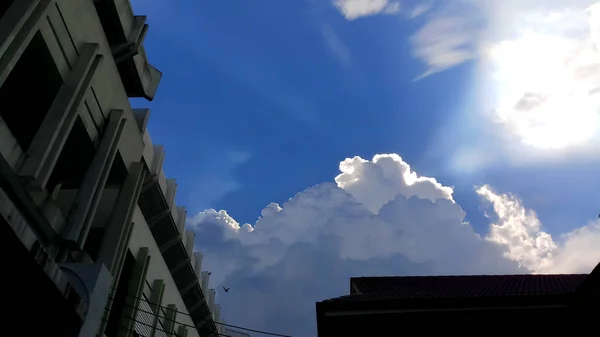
(262, 99)
(235, 83)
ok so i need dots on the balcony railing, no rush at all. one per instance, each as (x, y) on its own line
(167, 223)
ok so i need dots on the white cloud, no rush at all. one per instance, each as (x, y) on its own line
(376, 182)
(580, 250)
(550, 55)
(537, 79)
(594, 19)
(520, 231)
(443, 43)
(534, 91)
(420, 9)
(379, 218)
(354, 9)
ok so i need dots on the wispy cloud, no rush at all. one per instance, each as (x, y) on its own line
(354, 9)
(420, 9)
(336, 45)
(216, 178)
(442, 43)
(535, 81)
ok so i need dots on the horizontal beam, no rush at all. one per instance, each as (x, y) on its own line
(180, 265)
(11, 184)
(156, 218)
(203, 321)
(189, 287)
(149, 182)
(172, 242)
(196, 306)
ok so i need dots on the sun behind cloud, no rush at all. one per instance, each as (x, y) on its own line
(544, 80)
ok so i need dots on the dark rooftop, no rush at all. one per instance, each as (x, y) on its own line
(456, 287)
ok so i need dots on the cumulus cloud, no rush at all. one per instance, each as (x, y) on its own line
(354, 9)
(520, 231)
(580, 250)
(378, 218)
(374, 183)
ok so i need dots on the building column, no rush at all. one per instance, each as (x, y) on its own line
(136, 290)
(85, 204)
(118, 229)
(115, 241)
(158, 289)
(182, 331)
(17, 28)
(48, 142)
(170, 319)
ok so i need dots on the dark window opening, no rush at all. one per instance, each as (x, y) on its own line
(74, 160)
(37, 293)
(29, 91)
(113, 325)
(94, 242)
(113, 29)
(118, 172)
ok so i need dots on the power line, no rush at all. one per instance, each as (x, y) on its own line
(186, 314)
(151, 326)
(155, 328)
(192, 326)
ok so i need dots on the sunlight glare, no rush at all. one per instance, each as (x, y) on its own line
(545, 88)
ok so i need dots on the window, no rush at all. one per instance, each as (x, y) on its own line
(29, 90)
(74, 160)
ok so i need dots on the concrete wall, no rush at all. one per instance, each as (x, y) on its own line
(81, 24)
(106, 206)
(141, 236)
(9, 148)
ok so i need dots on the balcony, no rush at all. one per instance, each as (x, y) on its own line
(125, 33)
(167, 223)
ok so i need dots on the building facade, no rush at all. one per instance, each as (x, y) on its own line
(90, 233)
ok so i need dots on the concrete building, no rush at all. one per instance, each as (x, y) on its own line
(434, 305)
(91, 236)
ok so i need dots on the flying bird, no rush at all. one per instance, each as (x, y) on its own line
(210, 272)
(226, 289)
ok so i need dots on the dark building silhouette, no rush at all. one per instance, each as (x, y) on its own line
(92, 242)
(514, 304)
